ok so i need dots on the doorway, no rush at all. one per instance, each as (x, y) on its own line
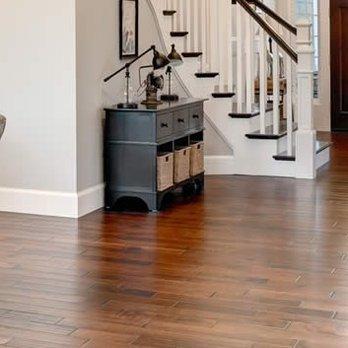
(339, 65)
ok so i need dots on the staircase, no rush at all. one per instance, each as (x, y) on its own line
(239, 55)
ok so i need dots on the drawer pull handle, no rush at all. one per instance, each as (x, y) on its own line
(164, 125)
(195, 116)
(181, 120)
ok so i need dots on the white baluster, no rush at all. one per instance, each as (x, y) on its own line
(181, 15)
(253, 61)
(276, 92)
(263, 80)
(306, 135)
(195, 26)
(176, 15)
(203, 34)
(289, 108)
(248, 63)
(230, 62)
(221, 34)
(188, 25)
(214, 48)
(240, 59)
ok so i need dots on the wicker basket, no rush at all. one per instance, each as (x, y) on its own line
(165, 165)
(197, 158)
(182, 164)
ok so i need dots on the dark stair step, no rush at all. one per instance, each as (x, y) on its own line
(178, 33)
(269, 132)
(169, 12)
(191, 54)
(204, 75)
(223, 95)
(242, 113)
(283, 156)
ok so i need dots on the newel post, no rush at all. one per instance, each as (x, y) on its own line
(306, 135)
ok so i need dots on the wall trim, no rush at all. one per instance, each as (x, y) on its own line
(219, 165)
(52, 203)
(90, 199)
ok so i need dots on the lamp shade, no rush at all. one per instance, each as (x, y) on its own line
(175, 57)
(159, 60)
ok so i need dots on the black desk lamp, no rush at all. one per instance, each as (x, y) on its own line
(159, 61)
(175, 60)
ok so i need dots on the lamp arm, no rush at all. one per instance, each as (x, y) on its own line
(127, 65)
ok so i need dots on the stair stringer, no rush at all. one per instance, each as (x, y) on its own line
(248, 156)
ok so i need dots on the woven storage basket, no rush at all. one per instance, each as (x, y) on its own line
(197, 158)
(165, 169)
(182, 164)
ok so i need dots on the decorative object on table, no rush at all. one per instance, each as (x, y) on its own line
(159, 61)
(153, 83)
(175, 60)
(129, 28)
(2, 125)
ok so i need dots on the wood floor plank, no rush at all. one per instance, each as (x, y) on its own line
(254, 262)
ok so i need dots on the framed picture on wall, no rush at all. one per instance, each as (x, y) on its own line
(129, 28)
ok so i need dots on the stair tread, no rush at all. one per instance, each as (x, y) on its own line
(283, 156)
(169, 12)
(269, 132)
(223, 95)
(242, 113)
(206, 74)
(178, 33)
(191, 54)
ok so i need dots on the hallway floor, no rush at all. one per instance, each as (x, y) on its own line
(255, 262)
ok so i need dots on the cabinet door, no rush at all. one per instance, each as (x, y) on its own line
(131, 167)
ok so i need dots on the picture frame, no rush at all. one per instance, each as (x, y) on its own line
(129, 28)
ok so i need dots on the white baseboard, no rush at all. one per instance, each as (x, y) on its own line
(219, 165)
(52, 203)
(90, 200)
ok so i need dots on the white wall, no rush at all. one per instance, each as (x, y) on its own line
(37, 95)
(97, 56)
(54, 55)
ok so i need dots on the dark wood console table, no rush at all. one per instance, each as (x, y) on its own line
(133, 138)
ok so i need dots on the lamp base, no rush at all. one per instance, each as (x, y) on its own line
(151, 102)
(169, 97)
(127, 106)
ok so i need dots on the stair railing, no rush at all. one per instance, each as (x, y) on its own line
(209, 26)
(232, 40)
(305, 137)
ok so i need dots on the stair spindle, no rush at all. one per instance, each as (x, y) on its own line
(248, 63)
(276, 88)
(240, 59)
(263, 80)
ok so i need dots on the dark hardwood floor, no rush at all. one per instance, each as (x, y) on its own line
(255, 262)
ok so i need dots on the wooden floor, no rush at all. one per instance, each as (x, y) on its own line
(255, 262)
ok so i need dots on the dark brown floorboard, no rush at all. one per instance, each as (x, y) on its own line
(254, 262)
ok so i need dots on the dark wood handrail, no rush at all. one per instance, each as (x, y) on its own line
(269, 30)
(274, 15)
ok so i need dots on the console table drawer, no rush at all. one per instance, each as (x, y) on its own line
(196, 117)
(181, 120)
(164, 125)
